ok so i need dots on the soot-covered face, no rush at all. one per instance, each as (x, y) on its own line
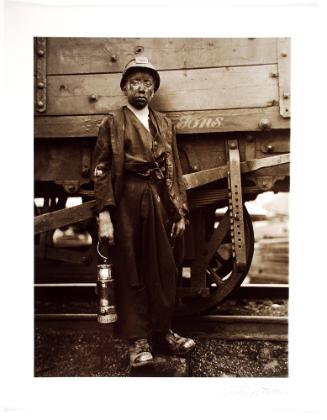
(139, 89)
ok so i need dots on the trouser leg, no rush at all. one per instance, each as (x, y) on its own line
(145, 266)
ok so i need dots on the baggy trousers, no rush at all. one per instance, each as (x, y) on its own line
(144, 264)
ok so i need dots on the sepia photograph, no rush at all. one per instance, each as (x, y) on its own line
(161, 206)
(162, 248)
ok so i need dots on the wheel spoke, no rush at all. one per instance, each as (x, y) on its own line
(217, 238)
(225, 275)
(216, 279)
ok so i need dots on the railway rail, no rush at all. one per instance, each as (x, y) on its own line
(267, 328)
(248, 291)
(227, 327)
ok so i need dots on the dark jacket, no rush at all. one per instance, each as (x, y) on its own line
(108, 163)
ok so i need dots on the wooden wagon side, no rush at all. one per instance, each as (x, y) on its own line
(230, 102)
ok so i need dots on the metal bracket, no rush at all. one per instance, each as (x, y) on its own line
(266, 182)
(283, 61)
(41, 75)
(192, 157)
(235, 205)
(250, 147)
(70, 186)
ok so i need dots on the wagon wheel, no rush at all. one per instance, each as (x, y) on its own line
(223, 278)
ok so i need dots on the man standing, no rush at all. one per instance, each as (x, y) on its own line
(141, 202)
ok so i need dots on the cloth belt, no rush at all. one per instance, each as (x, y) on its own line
(152, 171)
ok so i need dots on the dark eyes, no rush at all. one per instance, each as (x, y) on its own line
(137, 83)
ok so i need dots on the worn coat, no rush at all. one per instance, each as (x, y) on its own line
(109, 164)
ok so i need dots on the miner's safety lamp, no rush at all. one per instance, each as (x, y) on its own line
(106, 291)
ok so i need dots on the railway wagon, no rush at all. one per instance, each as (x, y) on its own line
(229, 99)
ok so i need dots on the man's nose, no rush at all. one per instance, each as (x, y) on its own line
(141, 87)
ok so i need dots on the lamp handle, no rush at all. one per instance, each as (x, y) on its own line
(99, 253)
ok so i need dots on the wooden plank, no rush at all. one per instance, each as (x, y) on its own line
(110, 55)
(213, 121)
(64, 217)
(181, 90)
(224, 120)
(74, 256)
(61, 161)
(67, 126)
(268, 278)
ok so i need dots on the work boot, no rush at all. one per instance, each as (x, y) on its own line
(174, 343)
(140, 353)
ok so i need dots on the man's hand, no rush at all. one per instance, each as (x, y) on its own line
(106, 228)
(178, 228)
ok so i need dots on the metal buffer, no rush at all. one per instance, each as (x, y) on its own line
(235, 206)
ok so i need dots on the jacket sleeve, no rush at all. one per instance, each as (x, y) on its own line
(102, 168)
(179, 186)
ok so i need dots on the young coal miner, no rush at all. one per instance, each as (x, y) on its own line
(141, 201)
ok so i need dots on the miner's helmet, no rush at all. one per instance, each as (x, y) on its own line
(138, 64)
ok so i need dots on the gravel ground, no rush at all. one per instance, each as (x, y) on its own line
(61, 352)
(214, 358)
(257, 307)
(64, 352)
